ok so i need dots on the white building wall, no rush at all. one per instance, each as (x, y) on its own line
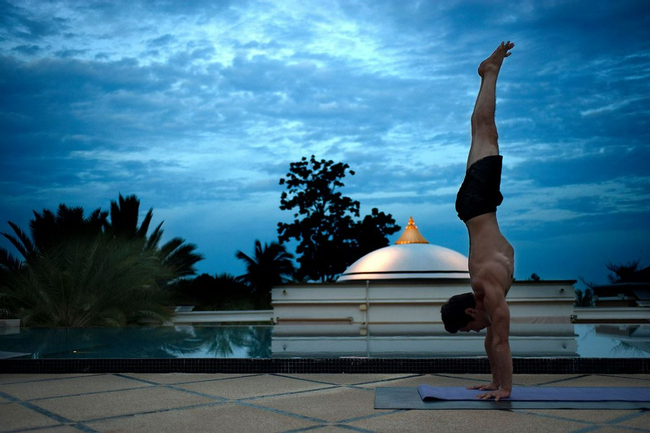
(411, 301)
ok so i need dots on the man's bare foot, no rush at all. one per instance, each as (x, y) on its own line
(493, 63)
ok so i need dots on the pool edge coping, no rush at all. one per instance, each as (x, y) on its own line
(326, 365)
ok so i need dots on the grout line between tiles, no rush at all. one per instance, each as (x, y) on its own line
(627, 417)
(45, 412)
(587, 429)
(353, 428)
(566, 379)
(148, 412)
(281, 412)
(374, 415)
(108, 391)
(555, 417)
(235, 376)
(259, 397)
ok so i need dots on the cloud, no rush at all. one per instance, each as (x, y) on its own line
(27, 49)
(162, 41)
(23, 24)
(195, 105)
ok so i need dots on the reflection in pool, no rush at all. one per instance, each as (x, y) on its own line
(321, 341)
(140, 342)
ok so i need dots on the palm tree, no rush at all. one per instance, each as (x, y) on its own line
(78, 271)
(48, 229)
(584, 298)
(270, 265)
(99, 281)
(175, 254)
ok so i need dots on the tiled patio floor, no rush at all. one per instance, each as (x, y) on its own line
(319, 403)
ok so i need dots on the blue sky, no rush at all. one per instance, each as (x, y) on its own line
(198, 108)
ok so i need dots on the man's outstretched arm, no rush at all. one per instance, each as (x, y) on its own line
(496, 376)
(496, 380)
(498, 344)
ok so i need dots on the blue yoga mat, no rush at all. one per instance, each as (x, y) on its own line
(533, 393)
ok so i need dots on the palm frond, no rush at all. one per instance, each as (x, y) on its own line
(154, 239)
(169, 247)
(144, 227)
(8, 262)
(25, 250)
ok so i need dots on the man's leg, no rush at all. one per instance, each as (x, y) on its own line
(484, 130)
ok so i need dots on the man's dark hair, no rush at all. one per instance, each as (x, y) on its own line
(453, 312)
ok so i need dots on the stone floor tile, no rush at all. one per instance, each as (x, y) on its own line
(17, 417)
(642, 421)
(540, 379)
(174, 378)
(433, 380)
(69, 386)
(459, 421)
(229, 417)
(60, 429)
(329, 404)
(517, 379)
(28, 377)
(252, 386)
(330, 429)
(630, 376)
(594, 416)
(597, 380)
(609, 429)
(347, 379)
(88, 407)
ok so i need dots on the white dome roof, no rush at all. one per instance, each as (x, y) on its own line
(417, 260)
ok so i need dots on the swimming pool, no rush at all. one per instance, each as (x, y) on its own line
(293, 342)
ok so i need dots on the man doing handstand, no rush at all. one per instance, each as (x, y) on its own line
(491, 257)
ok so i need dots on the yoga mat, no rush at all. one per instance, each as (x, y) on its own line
(536, 393)
(409, 398)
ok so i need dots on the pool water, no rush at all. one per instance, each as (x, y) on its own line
(584, 341)
(140, 342)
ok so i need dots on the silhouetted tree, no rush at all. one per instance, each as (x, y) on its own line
(78, 271)
(95, 281)
(208, 293)
(584, 298)
(325, 226)
(629, 272)
(48, 229)
(124, 218)
(269, 266)
(175, 254)
(373, 232)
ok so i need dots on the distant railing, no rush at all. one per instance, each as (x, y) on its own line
(610, 315)
(184, 317)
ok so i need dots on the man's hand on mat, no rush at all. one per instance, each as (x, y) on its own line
(488, 387)
(496, 395)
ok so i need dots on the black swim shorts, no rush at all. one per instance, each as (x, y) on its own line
(479, 194)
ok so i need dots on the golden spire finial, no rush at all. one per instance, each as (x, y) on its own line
(411, 235)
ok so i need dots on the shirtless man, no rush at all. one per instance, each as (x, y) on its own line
(491, 257)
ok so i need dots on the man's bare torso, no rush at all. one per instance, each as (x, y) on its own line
(491, 257)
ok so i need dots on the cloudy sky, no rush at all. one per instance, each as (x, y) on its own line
(198, 108)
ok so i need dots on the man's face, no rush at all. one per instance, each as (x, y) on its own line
(473, 326)
(480, 321)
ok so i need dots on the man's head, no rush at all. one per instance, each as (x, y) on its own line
(460, 313)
